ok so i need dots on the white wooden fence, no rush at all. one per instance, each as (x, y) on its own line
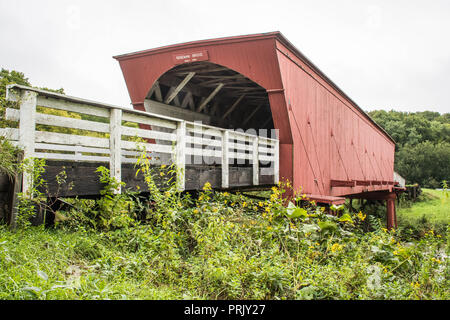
(107, 136)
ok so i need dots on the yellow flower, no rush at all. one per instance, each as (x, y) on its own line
(207, 186)
(361, 216)
(415, 285)
(260, 204)
(196, 211)
(226, 194)
(161, 174)
(244, 204)
(436, 260)
(233, 203)
(267, 209)
(163, 166)
(336, 247)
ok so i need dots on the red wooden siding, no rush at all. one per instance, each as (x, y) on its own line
(332, 139)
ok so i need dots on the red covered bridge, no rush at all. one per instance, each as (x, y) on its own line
(239, 112)
(328, 146)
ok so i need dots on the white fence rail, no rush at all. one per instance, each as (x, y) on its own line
(106, 133)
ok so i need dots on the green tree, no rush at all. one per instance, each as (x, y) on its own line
(422, 144)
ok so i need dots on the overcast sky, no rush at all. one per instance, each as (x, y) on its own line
(383, 54)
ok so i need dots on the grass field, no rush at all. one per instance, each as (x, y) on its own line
(434, 206)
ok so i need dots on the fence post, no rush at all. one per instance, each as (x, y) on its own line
(27, 127)
(256, 161)
(181, 155)
(115, 137)
(225, 159)
(276, 163)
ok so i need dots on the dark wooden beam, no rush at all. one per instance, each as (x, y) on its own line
(342, 183)
(362, 182)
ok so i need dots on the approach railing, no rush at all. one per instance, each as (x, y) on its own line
(95, 132)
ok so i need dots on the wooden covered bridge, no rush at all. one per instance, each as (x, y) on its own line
(239, 112)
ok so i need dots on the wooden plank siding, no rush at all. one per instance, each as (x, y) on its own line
(340, 143)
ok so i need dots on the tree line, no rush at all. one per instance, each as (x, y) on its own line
(422, 152)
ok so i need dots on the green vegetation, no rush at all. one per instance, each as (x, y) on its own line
(217, 246)
(431, 211)
(423, 144)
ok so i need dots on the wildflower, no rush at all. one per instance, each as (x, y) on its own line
(415, 285)
(233, 203)
(226, 194)
(161, 174)
(269, 228)
(395, 252)
(207, 186)
(361, 216)
(163, 166)
(268, 209)
(215, 210)
(436, 260)
(196, 211)
(260, 204)
(336, 247)
(200, 198)
(275, 189)
(244, 204)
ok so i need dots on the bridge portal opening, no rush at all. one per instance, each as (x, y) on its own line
(212, 94)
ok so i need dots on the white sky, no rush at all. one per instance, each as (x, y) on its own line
(383, 54)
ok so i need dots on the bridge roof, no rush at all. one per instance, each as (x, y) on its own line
(247, 38)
